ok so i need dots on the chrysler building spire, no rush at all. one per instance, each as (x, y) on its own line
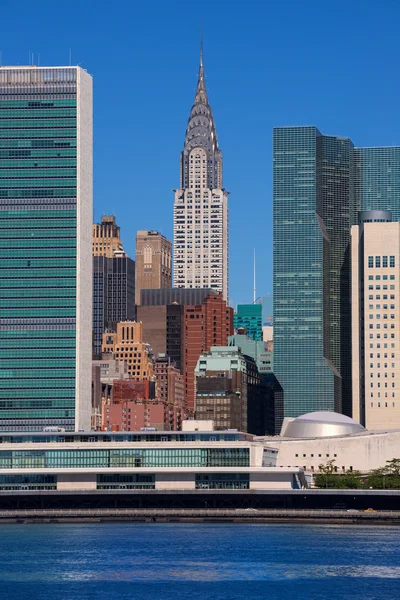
(201, 131)
(201, 203)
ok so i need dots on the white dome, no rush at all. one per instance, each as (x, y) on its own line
(321, 424)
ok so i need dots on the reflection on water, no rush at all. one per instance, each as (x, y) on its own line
(182, 560)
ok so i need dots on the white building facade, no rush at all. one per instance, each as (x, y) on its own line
(375, 260)
(201, 204)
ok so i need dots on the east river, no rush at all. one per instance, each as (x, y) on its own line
(198, 561)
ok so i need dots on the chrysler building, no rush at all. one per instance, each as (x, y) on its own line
(201, 203)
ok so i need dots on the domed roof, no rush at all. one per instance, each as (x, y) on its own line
(321, 424)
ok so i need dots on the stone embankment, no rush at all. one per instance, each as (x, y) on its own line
(200, 515)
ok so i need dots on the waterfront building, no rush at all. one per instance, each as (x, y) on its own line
(375, 260)
(314, 208)
(205, 325)
(182, 461)
(249, 317)
(106, 237)
(163, 329)
(113, 294)
(201, 203)
(153, 262)
(378, 179)
(312, 440)
(45, 248)
(126, 343)
(229, 390)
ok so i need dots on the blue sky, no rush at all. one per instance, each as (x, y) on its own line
(268, 63)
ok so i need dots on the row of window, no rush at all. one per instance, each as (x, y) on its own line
(180, 457)
(381, 261)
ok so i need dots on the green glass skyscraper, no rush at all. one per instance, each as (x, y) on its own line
(378, 179)
(249, 316)
(314, 208)
(45, 248)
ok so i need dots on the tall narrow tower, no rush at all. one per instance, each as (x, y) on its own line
(201, 203)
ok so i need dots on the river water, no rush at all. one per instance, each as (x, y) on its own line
(198, 561)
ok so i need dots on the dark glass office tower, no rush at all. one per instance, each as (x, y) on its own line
(113, 295)
(45, 248)
(378, 179)
(314, 208)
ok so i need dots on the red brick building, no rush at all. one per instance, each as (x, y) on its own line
(170, 390)
(133, 415)
(206, 325)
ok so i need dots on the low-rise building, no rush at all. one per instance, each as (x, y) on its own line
(317, 438)
(153, 460)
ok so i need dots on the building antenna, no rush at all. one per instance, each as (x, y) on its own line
(70, 57)
(254, 288)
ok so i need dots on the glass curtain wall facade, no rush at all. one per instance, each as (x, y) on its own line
(249, 316)
(378, 179)
(314, 208)
(45, 248)
(113, 295)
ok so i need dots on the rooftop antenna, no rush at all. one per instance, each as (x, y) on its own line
(70, 57)
(254, 288)
(38, 59)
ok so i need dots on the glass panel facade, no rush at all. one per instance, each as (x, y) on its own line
(132, 457)
(223, 481)
(314, 208)
(38, 247)
(165, 436)
(121, 481)
(249, 316)
(378, 179)
(28, 482)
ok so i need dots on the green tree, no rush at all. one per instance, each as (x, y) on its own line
(387, 477)
(328, 478)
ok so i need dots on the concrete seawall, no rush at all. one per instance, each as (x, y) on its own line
(201, 515)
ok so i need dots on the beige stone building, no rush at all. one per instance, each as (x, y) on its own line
(153, 262)
(126, 344)
(106, 237)
(375, 258)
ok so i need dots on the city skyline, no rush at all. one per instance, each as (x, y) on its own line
(152, 80)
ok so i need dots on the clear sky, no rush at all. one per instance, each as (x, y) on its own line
(267, 62)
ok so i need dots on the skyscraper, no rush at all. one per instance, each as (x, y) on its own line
(314, 208)
(153, 262)
(106, 237)
(378, 179)
(113, 294)
(45, 247)
(201, 203)
(375, 245)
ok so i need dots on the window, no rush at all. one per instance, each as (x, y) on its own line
(370, 261)
(392, 261)
(377, 262)
(384, 261)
